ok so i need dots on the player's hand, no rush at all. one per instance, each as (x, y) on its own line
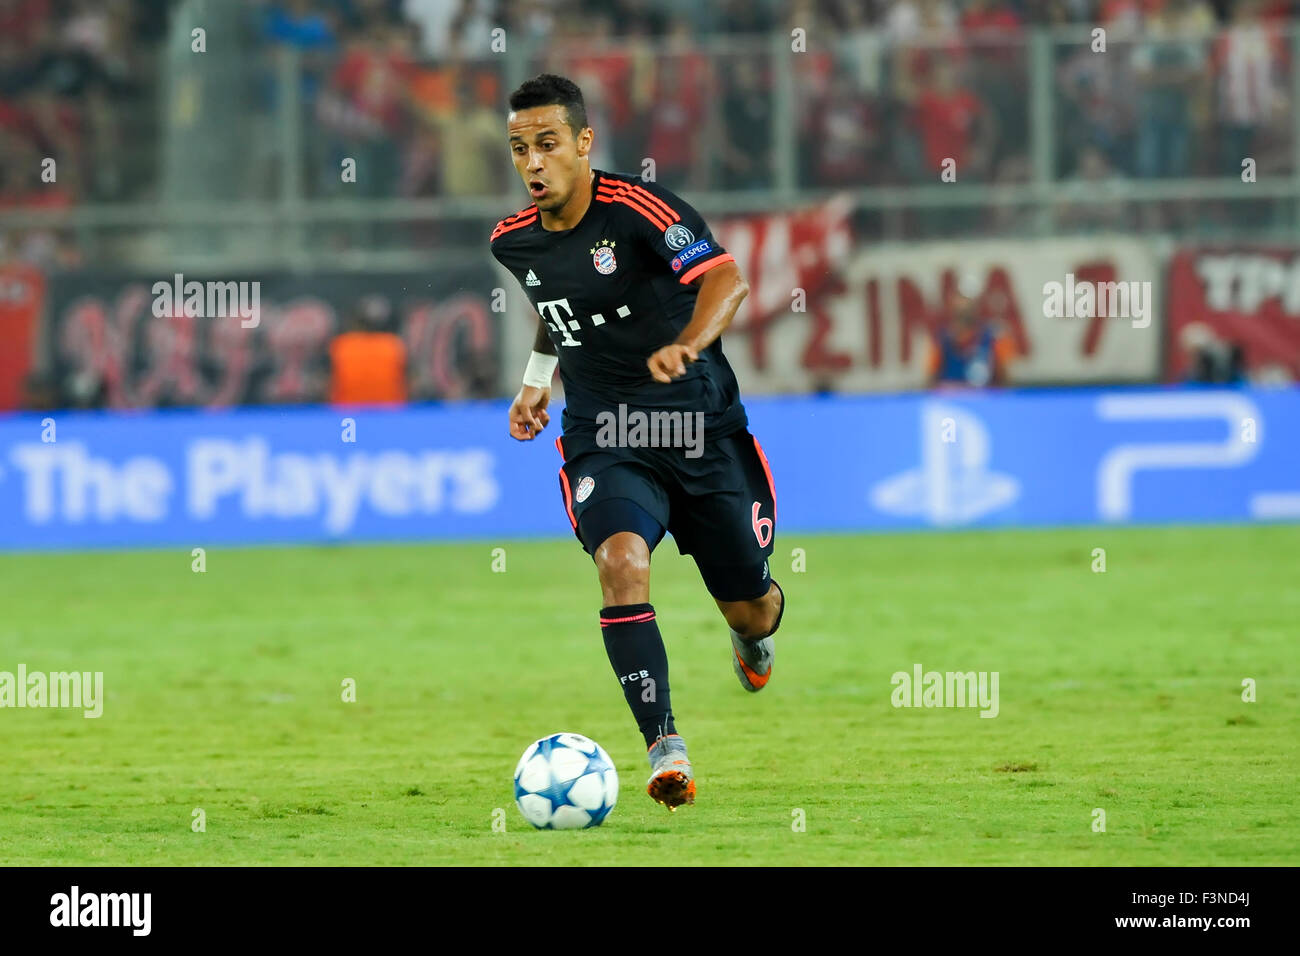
(670, 362)
(528, 415)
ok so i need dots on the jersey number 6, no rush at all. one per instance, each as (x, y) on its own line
(762, 527)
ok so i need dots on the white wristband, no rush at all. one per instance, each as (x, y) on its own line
(540, 369)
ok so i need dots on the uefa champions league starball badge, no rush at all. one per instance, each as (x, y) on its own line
(677, 237)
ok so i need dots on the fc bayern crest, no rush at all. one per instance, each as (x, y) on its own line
(603, 259)
(585, 487)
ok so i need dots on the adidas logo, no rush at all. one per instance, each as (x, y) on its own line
(531, 278)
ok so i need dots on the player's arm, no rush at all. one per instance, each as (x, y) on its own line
(678, 235)
(722, 289)
(528, 415)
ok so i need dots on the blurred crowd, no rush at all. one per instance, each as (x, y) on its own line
(77, 120)
(412, 91)
(884, 93)
(410, 88)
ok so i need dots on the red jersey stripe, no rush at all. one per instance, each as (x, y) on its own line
(503, 229)
(767, 470)
(527, 209)
(513, 220)
(644, 196)
(568, 499)
(500, 227)
(655, 200)
(624, 193)
(705, 266)
(623, 198)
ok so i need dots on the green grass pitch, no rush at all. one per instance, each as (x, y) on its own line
(1119, 691)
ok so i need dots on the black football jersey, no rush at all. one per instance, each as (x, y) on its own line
(614, 289)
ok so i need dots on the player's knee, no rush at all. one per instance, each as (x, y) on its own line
(623, 563)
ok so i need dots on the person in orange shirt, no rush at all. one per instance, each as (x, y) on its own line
(367, 364)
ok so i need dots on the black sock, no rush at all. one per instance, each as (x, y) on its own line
(640, 662)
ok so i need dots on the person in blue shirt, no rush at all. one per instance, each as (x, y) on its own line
(968, 350)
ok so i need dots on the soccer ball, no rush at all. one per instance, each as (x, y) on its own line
(565, 782)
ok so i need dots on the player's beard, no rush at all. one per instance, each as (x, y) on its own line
(554, 202)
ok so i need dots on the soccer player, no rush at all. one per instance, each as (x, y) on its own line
(633, 293)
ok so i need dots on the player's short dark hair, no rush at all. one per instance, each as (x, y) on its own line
(551, 90)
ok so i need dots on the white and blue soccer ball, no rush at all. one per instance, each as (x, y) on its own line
(565, 782)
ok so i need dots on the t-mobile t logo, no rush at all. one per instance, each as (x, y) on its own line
(567, 323)
(550, 313)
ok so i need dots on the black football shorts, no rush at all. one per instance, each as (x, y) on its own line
(720, 507)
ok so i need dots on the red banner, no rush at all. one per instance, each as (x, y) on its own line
(828, 311)
(22, 296)
(108, 342)
(1233, 296)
